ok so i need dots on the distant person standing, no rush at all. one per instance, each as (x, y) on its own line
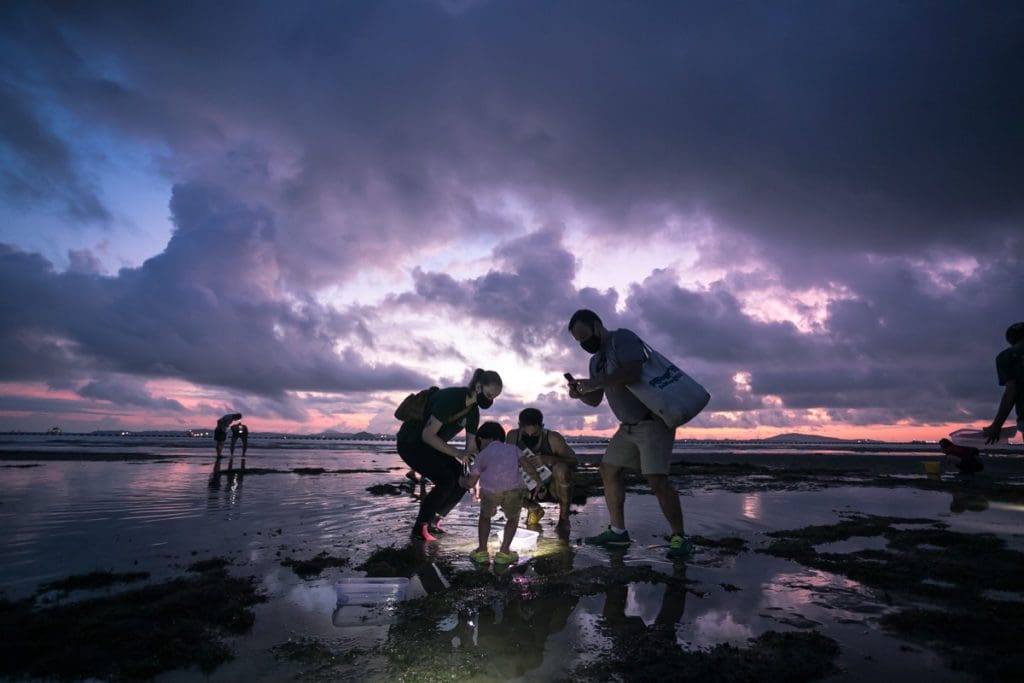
(423, 445)
(1010, 371)
(552, 450)
(643, 441)
(220, 432)
(239, 431)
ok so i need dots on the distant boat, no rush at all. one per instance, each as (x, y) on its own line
(55, 430)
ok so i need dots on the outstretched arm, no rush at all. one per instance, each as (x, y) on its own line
(629, 373)
(430, 437)
(1006, 404)
(591, 398)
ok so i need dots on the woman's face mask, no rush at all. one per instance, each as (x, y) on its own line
(483, 401)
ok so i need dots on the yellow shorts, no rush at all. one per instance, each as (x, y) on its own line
(510, 502)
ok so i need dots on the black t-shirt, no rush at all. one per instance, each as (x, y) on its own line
(444, 405)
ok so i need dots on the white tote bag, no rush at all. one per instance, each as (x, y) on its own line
(669, 392)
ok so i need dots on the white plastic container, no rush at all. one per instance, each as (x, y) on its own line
(365, 601)
(523, 540)
(973, 437)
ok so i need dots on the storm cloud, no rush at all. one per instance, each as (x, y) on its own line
(828, 194)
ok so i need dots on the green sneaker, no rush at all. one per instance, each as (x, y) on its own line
(608, 537)
(506, 558)
(480, 556)
(679, 547)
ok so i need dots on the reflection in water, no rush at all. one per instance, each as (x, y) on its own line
(509, 630)
(719, 626)
(57, 519)
(966, 501)
(628, 609)
(752, 506)
(513, 633)
(234, 479)
(798, 594)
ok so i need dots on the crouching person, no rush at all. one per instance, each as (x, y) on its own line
(497, 470)
(551, 449)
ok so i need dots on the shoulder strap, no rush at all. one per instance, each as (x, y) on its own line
(545, 443)
(647, 349)
(458, 415)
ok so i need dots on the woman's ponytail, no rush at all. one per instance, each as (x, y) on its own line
(485, 378)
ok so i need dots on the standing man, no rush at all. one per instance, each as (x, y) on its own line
(1010, 370)
(554, 452)
(643, 441)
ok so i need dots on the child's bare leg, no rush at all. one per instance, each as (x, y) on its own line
(483, 528)
(510, 531)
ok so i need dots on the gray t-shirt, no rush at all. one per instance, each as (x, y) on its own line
(621, 347)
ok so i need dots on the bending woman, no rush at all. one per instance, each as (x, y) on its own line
(423, 445)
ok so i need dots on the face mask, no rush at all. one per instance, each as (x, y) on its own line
(591, 344)
(482, 401)
(531, 441)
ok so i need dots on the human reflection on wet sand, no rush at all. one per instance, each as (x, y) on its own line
(513, 632)
(623, 629)
(234, 477)
(509, 618)
(967, 502)
(505, 628)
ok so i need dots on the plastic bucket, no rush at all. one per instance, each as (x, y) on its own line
(368, 600)
(524, 540)
(933, 468)
(974, 437)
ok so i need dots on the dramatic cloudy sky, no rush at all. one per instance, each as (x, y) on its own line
(303, 211)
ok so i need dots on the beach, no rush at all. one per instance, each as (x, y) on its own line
(811, 563)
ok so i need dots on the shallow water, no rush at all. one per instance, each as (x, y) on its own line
(66, 517)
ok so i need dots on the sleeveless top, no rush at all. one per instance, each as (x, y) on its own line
(543, 448)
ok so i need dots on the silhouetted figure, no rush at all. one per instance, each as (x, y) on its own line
(551, 450)
(642, 442)
(1010, 371)
(239, 431)
(966, 458)
(220, 432)
(423, 445)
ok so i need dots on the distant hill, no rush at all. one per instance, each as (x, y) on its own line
(793, 437)
(363, 436)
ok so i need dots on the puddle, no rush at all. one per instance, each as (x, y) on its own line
(853, 544)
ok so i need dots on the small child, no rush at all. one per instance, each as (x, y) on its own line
(497, 470)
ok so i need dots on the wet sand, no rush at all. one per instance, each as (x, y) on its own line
(830, 567)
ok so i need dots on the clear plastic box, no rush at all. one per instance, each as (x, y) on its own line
(970, 436)
(366, 601)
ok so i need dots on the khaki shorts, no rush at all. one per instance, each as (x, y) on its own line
(510, 502)
(645, 446)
